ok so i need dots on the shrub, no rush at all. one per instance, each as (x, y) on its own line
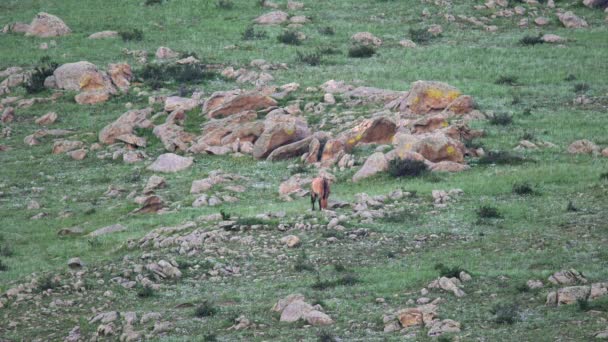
(339, 268)
(327, 31)
(205, 309)
(361, 51)
(347, 280)
(153, 2)
(210, 337)
(328, 50)
(133, 35)
(407, 167)
(325, 336)
(420, 36)
(523, 189)
(570, 78)
(507, 79)
(47, 283)
(312, 58)
(581, 87)
(225, 4)
(502, 119)
(299, 168)
(604, 176)
(144, 291)
(571, 207)
(289, 38)
(156, 75)
(6, 250)
(531, 40)
(500, 158)
(41, 72)
(449, 272)
(225, 215)
(3, 266)
(485, 212)
(528, 136)
(251, 34)
(400, 216)
(505, 313)
(302, 263)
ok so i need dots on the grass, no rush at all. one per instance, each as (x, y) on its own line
(289, 38)
(361, 51)
(488, 212)
(466, 56)
(205, 309)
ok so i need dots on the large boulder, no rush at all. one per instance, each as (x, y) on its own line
(297, 148)
(81, 76)
(430, 96)
(375, 163)
(125, 124)
(47, 25)
(583, 146)
(92, 97)
(121, 75)
(170, 162)
(173, 137)
(333, 150)
(435, 146)
(239, 127)
(279, 130)
(272, 18)
(104, 34)
(173, 103)
(379, 130)
(570, 20)
(222, 105)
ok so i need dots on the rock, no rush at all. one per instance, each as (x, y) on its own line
(62, 146)
(92, 97)
(105, 317)
(448, 284)
(406, 43)
(105, 330)
(125, 124)
(295, 149)
(378, 130)
(73, 335)
(553, 38)
(8, 115)
(291, 241)
(165, 53)
(173, 137)
(17, 27)
(294, 185)
(601, 334)
(70, 231)
(173, 103)
(170, 162)
(366, 38)
(317, 318)
(375, 163)
(131, 157)
(164, 269)
(435, 147)
(295, 311)
(129, 334)
(329, 98)
(47, 25)
(428, 96)
(225, 104)
(595, 3)
(132, 139)
(448, 166)
(150, 317)
(150, 204)
(296, 5)
(272, 18)
(541, 21)
(47, 119)
(201, 201)
(568, 295)
(439, 328)
(75, 263)
(464, 276)
(107, 230)
(279, 130)
(583, 146)
(200, 186)
(154, 182)
(161, 327)
(570, 20)
(121, 75)
(104, 34)
(567, 277)
(435, 29)
(336, 87)
(299, 19)
(283, 303)
(533, 284)
(82, 76)
(78, 154)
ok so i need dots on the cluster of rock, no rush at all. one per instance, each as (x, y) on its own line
(294, 308)
(43, 25)
(409, 319)
(573, 294)
(585, 146)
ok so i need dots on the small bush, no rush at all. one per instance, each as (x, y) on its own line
(6, 250)
(505, 313)
(347, 280)
(600, 304)
(133, 35)
(487, 212)
(41, 72)
(302, 263)
(420, 36)
(339, 268)
(225, 4)
(581, 87)
(604, 176)
(312, 58)
(400, 217)
(523, 189)
(225, 215)
(289, 38)
(328, 50)
(325, 336)
(528, 136)
(571, 207)
(47, 283)
(299, 168)
(361, 51)
(500, 158)
(205, 309)
(507, 79)
(327, 31)
(449, 272)
(144, 291)
(407, 167)
(3, 266)
(156, 75)
(153, 2)
(531, 40)
(210, 337)
(251, 34)
(502, 119)
(570, 78)
(583, 304)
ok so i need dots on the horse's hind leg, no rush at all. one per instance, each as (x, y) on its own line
(312, 200)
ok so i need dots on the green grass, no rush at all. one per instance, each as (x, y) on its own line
(535, 237)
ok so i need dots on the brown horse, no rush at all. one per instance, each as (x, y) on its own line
(319, 190)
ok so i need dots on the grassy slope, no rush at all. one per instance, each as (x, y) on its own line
(536, 238)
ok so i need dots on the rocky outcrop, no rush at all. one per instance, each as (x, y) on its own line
(170, 162)
(222, 104)
(279, 130)
(435, 147)
(429, 96)
(125, 124)
(47, 25)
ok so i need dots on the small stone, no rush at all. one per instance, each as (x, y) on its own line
(75, 263)
(291, 241)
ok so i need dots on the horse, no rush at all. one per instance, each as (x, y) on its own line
(319, 190)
